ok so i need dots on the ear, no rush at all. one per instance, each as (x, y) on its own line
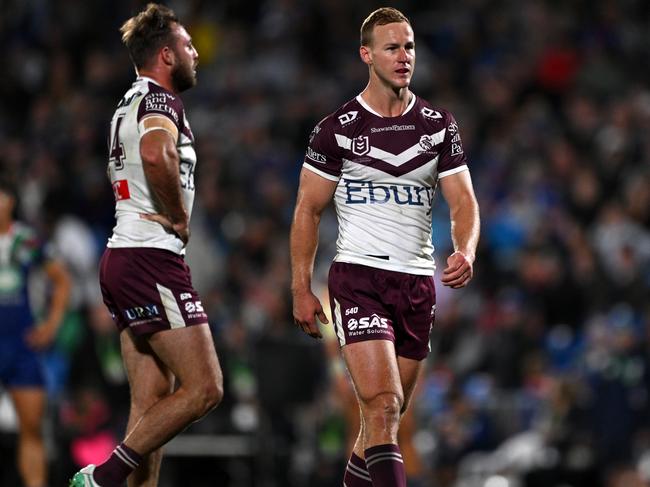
(168, 56)
(365, 54)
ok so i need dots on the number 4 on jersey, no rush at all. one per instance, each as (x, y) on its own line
(116, 154)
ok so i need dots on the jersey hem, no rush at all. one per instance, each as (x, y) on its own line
(386, 265)
(140, 245)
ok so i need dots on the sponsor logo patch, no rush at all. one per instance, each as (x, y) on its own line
(159, 102)
(121, 190)
(427, 142)
(194, 307)
(368, 192)
(316, 156)
(142, 312)
(431, 114)
(348, 117)
(390, 128)
(368, 322)
(456, 144)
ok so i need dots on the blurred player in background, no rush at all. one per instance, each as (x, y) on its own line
(145, 282)
(381, 156)
(22, 336)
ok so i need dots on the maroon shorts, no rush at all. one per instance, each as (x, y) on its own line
(149, 290)
(376, 304)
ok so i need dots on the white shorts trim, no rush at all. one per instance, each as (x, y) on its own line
(338, 322)
(172, 310)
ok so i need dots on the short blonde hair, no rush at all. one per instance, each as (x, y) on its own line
(381, 16)
(148, 31)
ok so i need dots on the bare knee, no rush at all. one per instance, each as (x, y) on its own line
(382, 411)
(205, 395)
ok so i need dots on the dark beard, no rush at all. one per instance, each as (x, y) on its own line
(183, 78)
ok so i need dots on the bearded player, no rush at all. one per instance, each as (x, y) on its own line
(146, 285)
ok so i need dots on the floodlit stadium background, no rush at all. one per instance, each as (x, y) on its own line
(540, 370)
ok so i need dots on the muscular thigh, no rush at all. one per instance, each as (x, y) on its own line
(189, 353)
(373, 369)
(409, 371)
(150, 379)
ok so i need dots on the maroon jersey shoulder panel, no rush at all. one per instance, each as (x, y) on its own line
(452, 153)
(160, 101)
(323, 152)
(394, 145)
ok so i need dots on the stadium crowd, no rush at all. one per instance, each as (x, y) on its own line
(540, 369)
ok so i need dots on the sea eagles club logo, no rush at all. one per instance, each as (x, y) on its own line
(360, 145)
(426, 142)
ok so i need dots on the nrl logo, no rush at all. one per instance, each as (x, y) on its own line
(360, 145)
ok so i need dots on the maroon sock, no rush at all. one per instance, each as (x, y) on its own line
(114, 471)
(385, 465)
(356, 474)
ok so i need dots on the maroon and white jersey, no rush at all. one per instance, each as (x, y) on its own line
(146, 106)
(387, 169)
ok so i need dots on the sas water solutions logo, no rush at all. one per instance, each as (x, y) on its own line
(367, 324)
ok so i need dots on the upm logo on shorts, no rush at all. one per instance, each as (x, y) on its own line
(140, 312)
(373, 321)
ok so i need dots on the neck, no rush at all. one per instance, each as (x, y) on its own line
(163, 79)
(386, 100)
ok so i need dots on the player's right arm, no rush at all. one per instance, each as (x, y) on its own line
(160, 161)
(314, 194)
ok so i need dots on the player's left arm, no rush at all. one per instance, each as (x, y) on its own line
(42, 335)
(458, 191)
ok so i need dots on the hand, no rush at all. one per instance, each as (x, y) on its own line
(181, 230)
(459, 271)
(41, 336)
(306, 307)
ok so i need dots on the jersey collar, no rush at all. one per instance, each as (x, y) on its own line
(363, 103)
(148, 79)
